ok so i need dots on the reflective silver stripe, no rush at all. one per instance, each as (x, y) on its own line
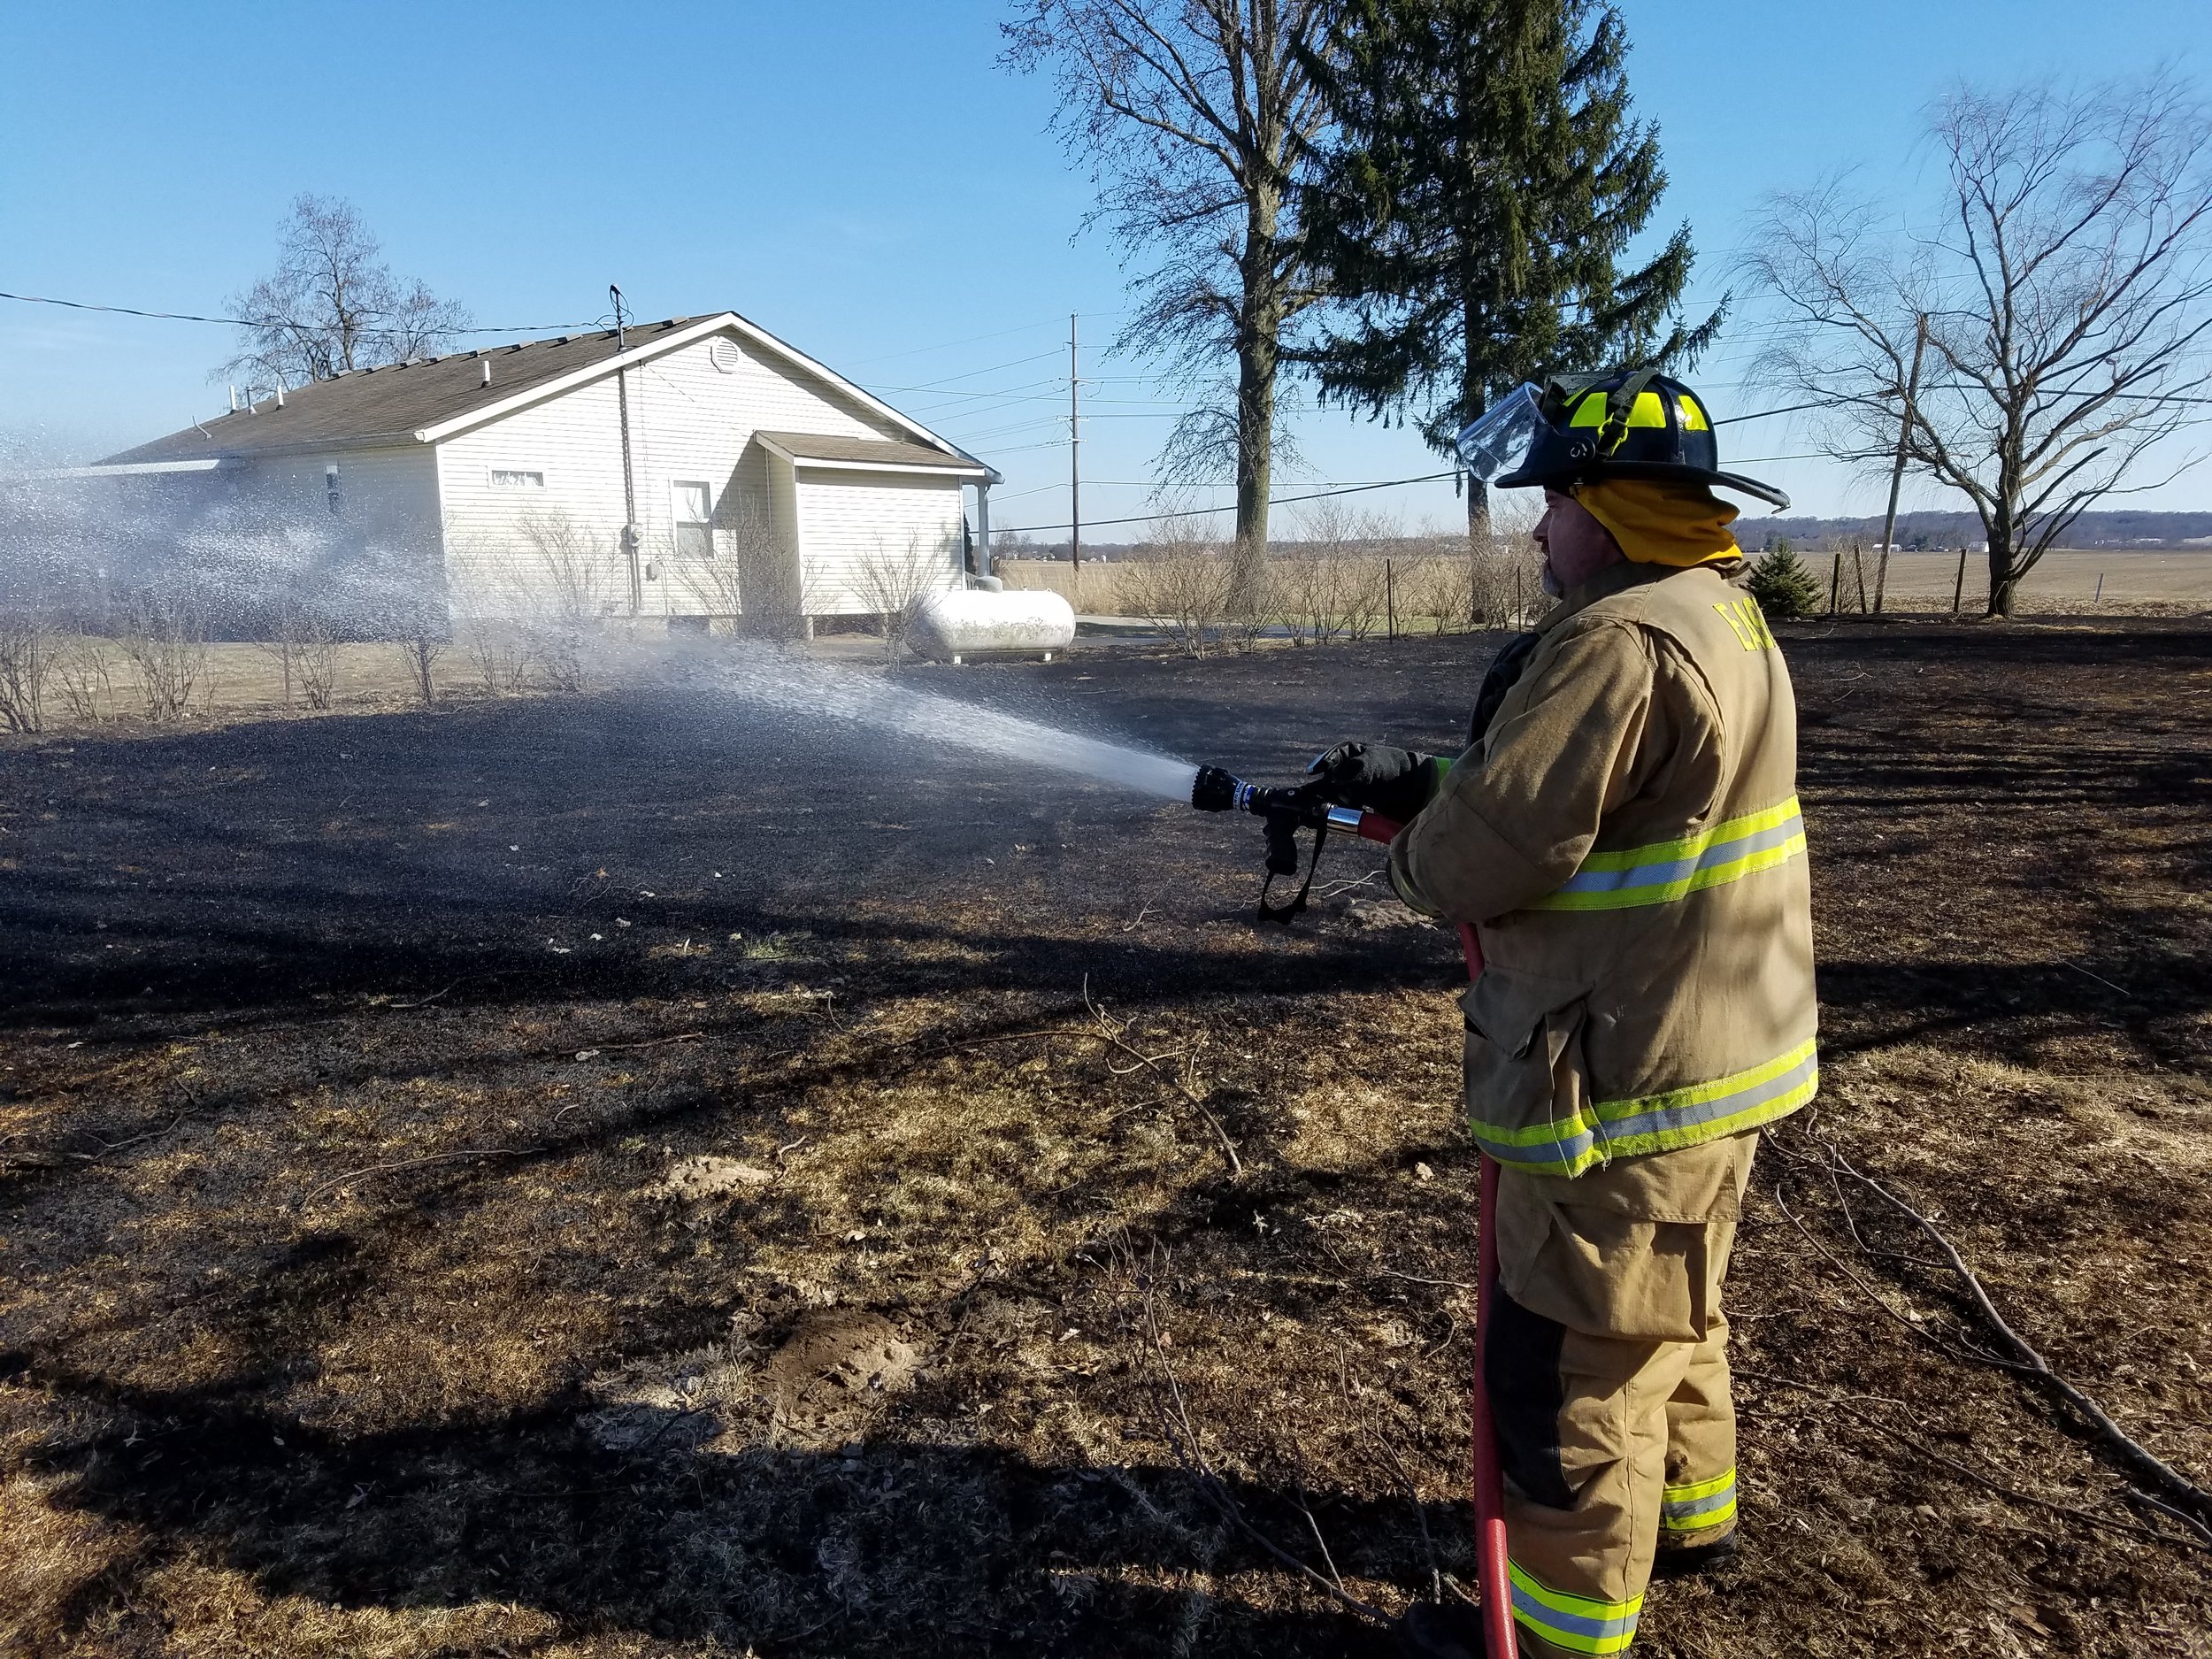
(1668, 871)
(1658, 1123)
(1700, 1505)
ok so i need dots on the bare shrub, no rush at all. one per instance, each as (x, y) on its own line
(164, 639)
(420, 647)
(1426, 589)
(758, 582)
(85, 681)
(287, 632)
(892, 584)
(1333, 582)
(572, 599)
(499, 650)
(318, 661)
(1183, 583)
(29, 644)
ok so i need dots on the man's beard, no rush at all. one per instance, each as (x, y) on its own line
(1549, 582)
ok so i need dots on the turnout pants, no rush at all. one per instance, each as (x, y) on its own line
(1608, 1375)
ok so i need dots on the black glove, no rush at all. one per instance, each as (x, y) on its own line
(1394, 782)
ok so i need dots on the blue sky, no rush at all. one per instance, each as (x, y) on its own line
(858, 177)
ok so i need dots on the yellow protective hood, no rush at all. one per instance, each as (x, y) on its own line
(1662, 522)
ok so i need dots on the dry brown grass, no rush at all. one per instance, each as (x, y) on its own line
(380, 1282)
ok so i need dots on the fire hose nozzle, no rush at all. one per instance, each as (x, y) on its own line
(1214, 790)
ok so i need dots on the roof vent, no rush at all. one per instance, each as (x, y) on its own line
(561, 341)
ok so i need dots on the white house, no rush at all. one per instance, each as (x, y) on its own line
(687, 469)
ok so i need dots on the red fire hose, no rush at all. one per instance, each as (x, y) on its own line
(1497, 1589)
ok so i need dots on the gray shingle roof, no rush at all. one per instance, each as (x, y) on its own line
(390, 403)
(809, 446)
(367, 407)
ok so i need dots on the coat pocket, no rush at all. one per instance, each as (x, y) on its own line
(1527, 1082)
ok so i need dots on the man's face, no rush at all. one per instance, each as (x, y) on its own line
(1575, 546)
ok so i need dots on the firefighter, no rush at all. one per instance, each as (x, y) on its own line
(1624, 831)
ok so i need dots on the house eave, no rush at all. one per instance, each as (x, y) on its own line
(128, 469)
(661, 346)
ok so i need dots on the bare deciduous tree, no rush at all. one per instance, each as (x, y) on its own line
(333, 304)
(1197, 119)
(2067, 295)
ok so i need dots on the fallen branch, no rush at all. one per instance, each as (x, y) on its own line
(107, 1147)
(1112, 1033)
(1889, 1432)
(1415, 1279)
(411, 1164)
(2169, 1481)
(1181, 1429)
(1876, 1297)
(425, 1002)
(655, 1042)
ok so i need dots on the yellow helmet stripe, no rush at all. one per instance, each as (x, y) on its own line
(1647, 410)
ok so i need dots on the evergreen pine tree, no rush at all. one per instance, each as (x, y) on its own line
(1471, 216)
(1785, 588)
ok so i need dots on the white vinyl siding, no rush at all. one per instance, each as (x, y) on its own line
(848, 520)
(689, 423)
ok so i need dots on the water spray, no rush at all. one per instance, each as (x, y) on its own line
(1285, 810)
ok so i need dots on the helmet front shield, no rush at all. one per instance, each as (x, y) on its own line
(1498, 440)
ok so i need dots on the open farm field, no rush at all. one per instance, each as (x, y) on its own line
(2064, 582)
(632, 1176)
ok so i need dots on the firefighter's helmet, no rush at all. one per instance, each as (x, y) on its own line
(1635, 423)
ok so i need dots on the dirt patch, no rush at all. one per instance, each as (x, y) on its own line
(834, 1371)
(695, 1180)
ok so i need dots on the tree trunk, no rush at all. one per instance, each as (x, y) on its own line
(1255, 432)
(1474, 405)
(1477, 512)
(2003, 580)
(1259, 345)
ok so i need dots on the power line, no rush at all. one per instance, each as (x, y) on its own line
(1201, 512)
(264, 322)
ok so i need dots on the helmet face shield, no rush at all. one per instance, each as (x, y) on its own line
(1500, 440)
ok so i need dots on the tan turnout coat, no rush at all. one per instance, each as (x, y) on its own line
(1626, 838)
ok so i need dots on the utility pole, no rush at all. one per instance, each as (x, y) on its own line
(1897, 473)
(1075, 454)
(629, 481)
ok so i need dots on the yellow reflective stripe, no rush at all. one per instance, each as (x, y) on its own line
(1698, 1489)
(1578, 1624)
(1665, 872)
(1689, 846)
(1698, 1507)
(1667, 892)
(1647, 410)
(1686, 1116)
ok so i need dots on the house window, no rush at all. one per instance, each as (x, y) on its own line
(694, 519)
(507, 477)
(330, 488)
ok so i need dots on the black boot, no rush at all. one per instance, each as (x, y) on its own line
(1681, 1563)
(1448, 1630)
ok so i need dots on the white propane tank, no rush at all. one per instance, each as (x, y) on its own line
(965, 622)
